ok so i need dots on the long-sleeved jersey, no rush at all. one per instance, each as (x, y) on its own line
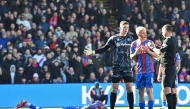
(121, 58)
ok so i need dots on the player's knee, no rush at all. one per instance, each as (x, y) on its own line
(167, 90)
(149, 92)
(129, 89)
(141, 92)
(114, 89)
(174, 91)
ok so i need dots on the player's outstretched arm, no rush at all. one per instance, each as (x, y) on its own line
(108, 44)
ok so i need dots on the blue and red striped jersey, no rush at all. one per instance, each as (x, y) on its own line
(144, 60)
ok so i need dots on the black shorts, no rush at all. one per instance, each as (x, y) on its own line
(168, 76)
(118, 76)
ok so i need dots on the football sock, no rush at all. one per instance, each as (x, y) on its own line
(169, 98)
(174, 101)
(130, 99)
(113, 99)
(150, 104)
(142, 105)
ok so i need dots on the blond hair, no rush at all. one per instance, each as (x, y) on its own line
(139, 29)
(123, 23)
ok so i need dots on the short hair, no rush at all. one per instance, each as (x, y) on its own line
(138, 29)
(168, 28)
(124, 23)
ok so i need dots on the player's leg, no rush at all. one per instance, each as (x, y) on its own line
(168, 83)
(149, 78)
(24, 103)
(163, 94)
(129, 87)
(174, 92)
(141, 98)
(163, 100)
(115, 84)
(140, 85)
(174, 98)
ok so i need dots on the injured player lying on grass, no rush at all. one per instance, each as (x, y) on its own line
(95, 105)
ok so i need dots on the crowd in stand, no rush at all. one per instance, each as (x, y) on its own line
(42, 41)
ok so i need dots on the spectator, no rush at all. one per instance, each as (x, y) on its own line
(71, 33)
(9, 60)
(71, 76)
(11, 77)
(81, 78)
(58, 80)
(28, 15)
(100, 74)
(106, 78)
(3, 8)
(3, 78)
(92, 78)
(22, 20)
(40, 57)
(44, 24)
(89, 68)
(35, 79)
(182, 75)
(47, 79)
(32, 69)
(78, 66)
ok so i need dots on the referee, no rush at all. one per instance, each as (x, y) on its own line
(168, 52)
(121, 62)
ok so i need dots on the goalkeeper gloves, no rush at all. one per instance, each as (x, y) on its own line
(88, 51)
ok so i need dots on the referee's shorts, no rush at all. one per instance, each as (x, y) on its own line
(169, 76)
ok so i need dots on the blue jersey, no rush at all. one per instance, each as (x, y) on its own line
(144, 60)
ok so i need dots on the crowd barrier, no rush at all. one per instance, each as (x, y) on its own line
(58, 95)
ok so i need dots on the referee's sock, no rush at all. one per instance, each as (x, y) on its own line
(150, 104)
(130, 99)
(169, 98)
(174, 101)
(113, 97)
(142, 105)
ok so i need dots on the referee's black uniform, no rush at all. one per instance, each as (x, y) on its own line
(169, 50)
